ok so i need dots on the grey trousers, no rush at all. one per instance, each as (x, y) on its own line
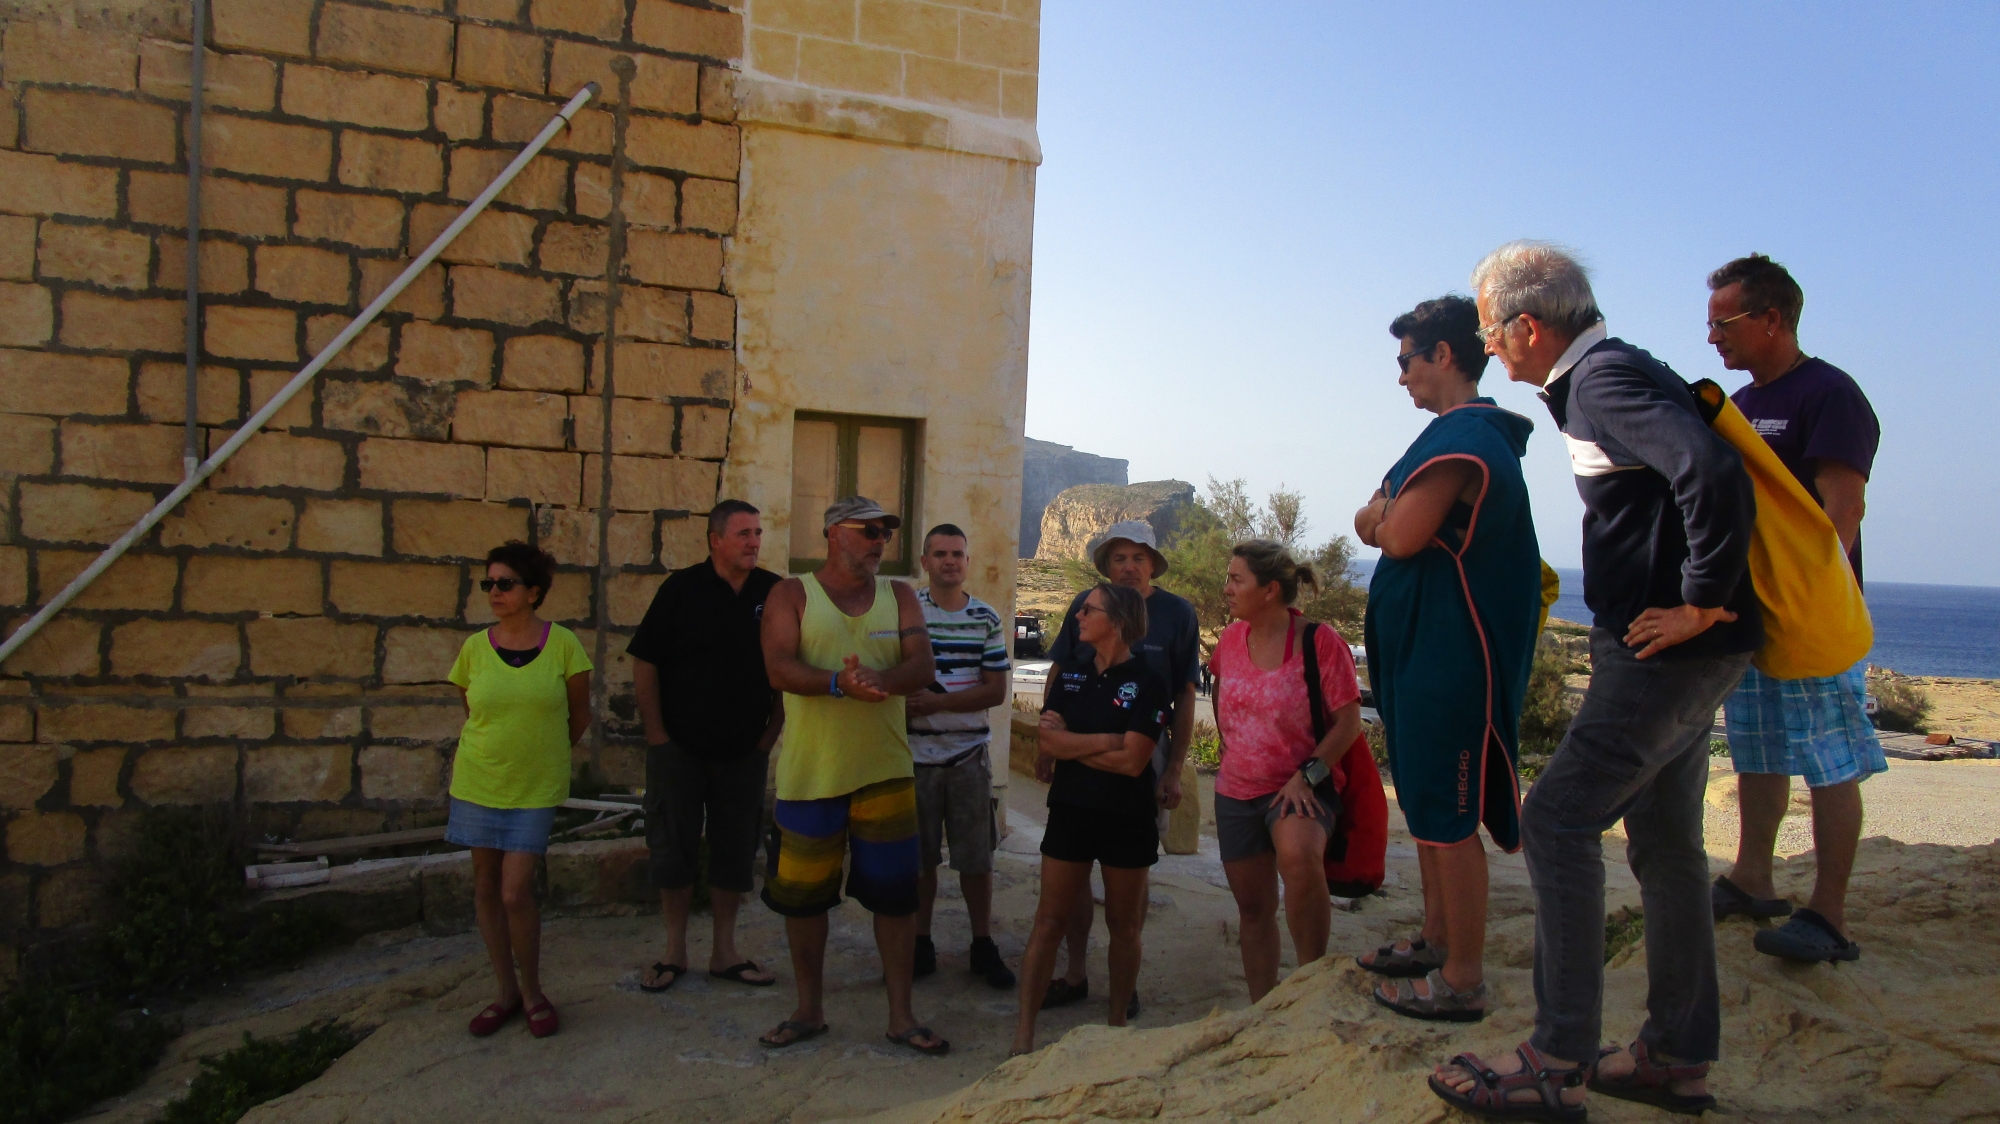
(1637, 751)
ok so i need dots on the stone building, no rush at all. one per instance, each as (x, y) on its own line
(826, 290)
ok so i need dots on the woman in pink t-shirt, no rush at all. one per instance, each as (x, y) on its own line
(1268, 817)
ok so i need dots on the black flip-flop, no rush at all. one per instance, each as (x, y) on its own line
(800, 1033)
(1727, 899)
(735, 974)
(677, 971)
(937, 1049)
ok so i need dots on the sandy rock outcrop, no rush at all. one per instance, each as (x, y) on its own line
(1905, 1034)
(1047, 469)
(1081, 513)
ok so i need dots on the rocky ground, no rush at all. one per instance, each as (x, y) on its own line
(1902, 1035)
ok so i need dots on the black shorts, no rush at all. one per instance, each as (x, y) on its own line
(1080, 835)
(689, 792)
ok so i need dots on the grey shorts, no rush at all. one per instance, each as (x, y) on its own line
(956, 802)
(691, 796)
(1243, 827)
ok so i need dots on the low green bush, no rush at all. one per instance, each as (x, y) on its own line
(64, 1048)
(1622, 930)
(1205, 748)
(1546, 711)
(1900, 704)
(260, 1070)
(178, 909)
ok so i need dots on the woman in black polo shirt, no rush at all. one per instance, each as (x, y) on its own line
(1100, 719)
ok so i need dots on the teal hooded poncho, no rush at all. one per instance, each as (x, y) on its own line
(1451, 634)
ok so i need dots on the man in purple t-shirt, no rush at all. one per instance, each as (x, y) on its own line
(1816, 419)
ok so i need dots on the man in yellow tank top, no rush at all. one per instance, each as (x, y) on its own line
(845, 645)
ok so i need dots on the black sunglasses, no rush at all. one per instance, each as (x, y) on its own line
(504, 585)
(873, 532)
(1403, 361)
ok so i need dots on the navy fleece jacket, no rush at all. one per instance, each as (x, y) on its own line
(1667, 504)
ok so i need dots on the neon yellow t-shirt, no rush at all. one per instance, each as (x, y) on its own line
(514, 750)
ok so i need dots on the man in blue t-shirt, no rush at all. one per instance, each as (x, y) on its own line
(1128, 554)
(1820, 424)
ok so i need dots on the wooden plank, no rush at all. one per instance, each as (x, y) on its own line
(354, 842)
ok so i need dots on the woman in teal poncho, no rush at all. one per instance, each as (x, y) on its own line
(1451, 627)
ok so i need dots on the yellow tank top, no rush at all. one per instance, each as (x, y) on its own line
(835, 746)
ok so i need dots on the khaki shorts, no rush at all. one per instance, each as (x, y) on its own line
(956, 802)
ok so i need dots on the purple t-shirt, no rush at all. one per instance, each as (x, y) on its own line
(1815, 412)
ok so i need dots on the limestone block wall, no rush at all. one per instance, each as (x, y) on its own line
(252, 648)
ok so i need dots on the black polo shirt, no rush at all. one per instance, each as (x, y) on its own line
(1127, 698)
(704, 638)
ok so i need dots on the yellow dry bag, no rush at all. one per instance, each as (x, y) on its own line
(1815, 622)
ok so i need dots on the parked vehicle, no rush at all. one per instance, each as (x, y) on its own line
(1028, 639)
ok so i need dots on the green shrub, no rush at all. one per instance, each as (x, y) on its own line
(1205, 748)
(63, 1049)
(1622, 930)
(1900, 704)
(1378, 744)
(178, 909)
(1546, 711)
(232, 1084)
(1718, 747)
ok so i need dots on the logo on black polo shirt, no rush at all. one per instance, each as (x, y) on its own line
(757, 614)
(1127, 691)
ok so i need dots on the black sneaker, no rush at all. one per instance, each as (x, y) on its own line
(926, 958)
(1132, 1007)
(986, 963)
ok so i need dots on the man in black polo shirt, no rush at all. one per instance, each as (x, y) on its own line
(711, 718)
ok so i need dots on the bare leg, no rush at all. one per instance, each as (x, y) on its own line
(895, 939)
(1836, 836)
(1301, 855)
(1761, 798)
(978, 891)
(1083, 911)
(491, 909)
(524, 922)
(806, 937)
(1125, 915)
(1054, 912)
(926, 898)
(1254, 881)
(723, 907)
(674, 907)
(1434, 926)
(1461, 875)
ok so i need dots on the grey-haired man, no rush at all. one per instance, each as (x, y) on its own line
(1666, 541)
(1128, 554)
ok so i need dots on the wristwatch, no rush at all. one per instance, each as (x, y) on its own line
(833, 687)
(1315, 771)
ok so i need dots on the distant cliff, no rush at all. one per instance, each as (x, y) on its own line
(1081, 513)
(1048, 469)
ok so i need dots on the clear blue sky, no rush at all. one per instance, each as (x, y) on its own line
(1237, 197)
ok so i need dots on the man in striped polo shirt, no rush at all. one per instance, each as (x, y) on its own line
(948, 743)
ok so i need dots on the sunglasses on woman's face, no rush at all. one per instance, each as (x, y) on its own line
(504, 585)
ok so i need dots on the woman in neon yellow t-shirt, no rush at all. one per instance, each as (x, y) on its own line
(526, 685)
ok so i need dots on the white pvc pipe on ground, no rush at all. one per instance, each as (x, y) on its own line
(249, 428)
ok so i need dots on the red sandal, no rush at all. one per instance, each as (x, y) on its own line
(542, 1021)
(1651, 1083)
(1492, 1097)
(493, 1018)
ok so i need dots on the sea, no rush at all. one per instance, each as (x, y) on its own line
(1951, 630)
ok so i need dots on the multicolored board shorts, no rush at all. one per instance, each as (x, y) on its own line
(1812, 728)
(810, 838)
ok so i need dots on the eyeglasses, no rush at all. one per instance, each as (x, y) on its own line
(504, 585)
(1403, 361)
(1718, 325)
(1490, 332)
(1086, 608)
(873, 532)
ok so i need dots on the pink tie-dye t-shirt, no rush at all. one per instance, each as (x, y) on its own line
(1265, 717)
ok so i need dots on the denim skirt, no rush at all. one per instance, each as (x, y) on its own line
(525, 830)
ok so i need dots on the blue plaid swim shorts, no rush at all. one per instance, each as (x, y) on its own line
(1812, 728)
